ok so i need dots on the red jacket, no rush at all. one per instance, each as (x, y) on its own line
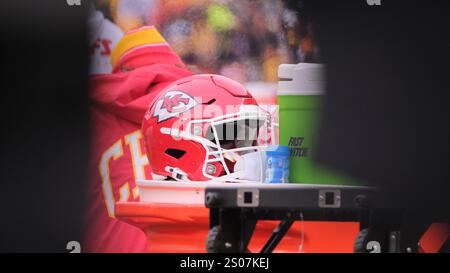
(118, 103)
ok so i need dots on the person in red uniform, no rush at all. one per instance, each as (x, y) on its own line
(143, 64)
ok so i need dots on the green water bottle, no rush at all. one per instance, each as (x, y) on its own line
(300, 90)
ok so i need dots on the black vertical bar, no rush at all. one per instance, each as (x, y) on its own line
(248, 227)
(230, 223)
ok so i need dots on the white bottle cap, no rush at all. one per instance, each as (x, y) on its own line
(303, 79)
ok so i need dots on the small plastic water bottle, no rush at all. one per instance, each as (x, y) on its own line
(277, 164)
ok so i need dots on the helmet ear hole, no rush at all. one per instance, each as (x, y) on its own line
(176, 153)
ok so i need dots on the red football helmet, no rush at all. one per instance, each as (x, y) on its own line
(206, 127)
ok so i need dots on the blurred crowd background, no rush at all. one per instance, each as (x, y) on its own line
(245, 40)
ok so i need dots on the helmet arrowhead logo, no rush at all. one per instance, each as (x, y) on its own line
(172, 104)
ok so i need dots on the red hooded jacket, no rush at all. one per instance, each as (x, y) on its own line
(118, 103)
